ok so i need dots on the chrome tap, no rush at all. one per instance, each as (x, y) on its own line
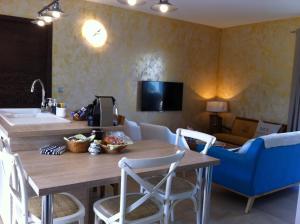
(43, 104)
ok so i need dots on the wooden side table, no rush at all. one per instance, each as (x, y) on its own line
(215, 123)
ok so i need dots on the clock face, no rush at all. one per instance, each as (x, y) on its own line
(94, 32)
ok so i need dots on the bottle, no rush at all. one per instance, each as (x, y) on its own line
(115, 114)
(53, 106)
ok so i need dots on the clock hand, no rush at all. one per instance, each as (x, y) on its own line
(97, 32)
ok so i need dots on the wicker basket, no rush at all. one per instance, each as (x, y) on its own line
(78, 147)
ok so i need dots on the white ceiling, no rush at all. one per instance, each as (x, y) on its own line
(223, 13)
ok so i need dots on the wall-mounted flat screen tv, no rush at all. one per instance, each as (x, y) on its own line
(161, 96)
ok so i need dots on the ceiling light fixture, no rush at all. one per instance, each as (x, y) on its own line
(132, 2)
(49, 13)
(163, 6)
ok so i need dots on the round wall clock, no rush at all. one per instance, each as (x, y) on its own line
(94, 32)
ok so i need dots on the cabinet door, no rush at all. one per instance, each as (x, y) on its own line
(26, 55)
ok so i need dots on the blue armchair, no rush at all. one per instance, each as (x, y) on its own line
(258, 170)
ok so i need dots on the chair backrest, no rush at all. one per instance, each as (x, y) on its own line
(209, 140)
(157, 132)
(133, 130)
(16, 183)
(127, 169)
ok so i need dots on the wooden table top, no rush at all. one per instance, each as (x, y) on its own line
(53, 174)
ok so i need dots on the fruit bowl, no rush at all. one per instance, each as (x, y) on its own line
(114, 145)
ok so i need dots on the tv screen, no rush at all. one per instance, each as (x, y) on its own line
(161, 96)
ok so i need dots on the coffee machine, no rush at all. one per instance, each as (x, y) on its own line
(103, 112)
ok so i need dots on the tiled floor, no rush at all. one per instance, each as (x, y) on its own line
(227, 208)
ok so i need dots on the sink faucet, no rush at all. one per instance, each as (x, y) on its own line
(43, 104)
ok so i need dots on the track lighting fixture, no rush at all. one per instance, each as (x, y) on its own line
(49, 13)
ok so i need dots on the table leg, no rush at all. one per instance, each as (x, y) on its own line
(47, 209)
(204, 186)
(206, 194)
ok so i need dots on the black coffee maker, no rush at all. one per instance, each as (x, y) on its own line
(103, 112)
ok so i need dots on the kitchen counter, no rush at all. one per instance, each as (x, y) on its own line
(74, 127)
(31, 137)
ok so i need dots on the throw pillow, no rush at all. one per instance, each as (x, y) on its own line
(264, 128)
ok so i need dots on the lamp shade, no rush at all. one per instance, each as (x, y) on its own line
(216, 106)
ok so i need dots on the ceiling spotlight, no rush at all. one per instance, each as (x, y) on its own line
(132, 2)
(46, 18)
(39, 22)
(55, 10)
(163, 6)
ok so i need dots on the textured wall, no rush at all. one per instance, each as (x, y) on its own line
(139, 47)
(255, 69)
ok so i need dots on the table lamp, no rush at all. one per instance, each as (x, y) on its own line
(216, 107)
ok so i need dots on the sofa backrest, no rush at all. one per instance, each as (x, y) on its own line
(244, 127)
(277, 167)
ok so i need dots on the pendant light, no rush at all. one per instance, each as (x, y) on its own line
(132, 2)
(163, 6)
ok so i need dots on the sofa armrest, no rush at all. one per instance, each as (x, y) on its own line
(232, 161)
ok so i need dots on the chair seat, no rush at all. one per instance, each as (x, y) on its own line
(63, 205)
(111, 206)
(179, 185)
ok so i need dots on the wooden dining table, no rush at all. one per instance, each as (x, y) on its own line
(48, 175)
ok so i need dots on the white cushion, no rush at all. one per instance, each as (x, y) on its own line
(264, 128)
(133, 130)
(282, 139)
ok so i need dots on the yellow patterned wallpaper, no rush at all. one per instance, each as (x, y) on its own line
(249, 65)
(139, 47)
(255, 69)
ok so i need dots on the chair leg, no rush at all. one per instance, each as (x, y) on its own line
(249, 204)
(172, 214)
(81, 220)
(167, 212)
(115, 189)
(102, 191)
(96, 220)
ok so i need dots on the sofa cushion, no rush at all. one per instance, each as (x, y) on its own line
(244, 128)
(229, 138)
(265, 128)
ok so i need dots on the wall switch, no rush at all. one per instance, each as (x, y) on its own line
(60, 89)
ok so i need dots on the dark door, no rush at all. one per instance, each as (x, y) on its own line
(25, 55)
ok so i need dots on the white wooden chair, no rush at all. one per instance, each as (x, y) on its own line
(138, 208)
(25, 210)
(183, 189)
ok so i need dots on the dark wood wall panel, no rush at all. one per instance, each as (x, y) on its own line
(25, 55)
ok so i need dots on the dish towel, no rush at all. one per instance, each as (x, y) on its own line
(52, 150)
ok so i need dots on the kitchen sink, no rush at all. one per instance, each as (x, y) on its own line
(30, 116)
